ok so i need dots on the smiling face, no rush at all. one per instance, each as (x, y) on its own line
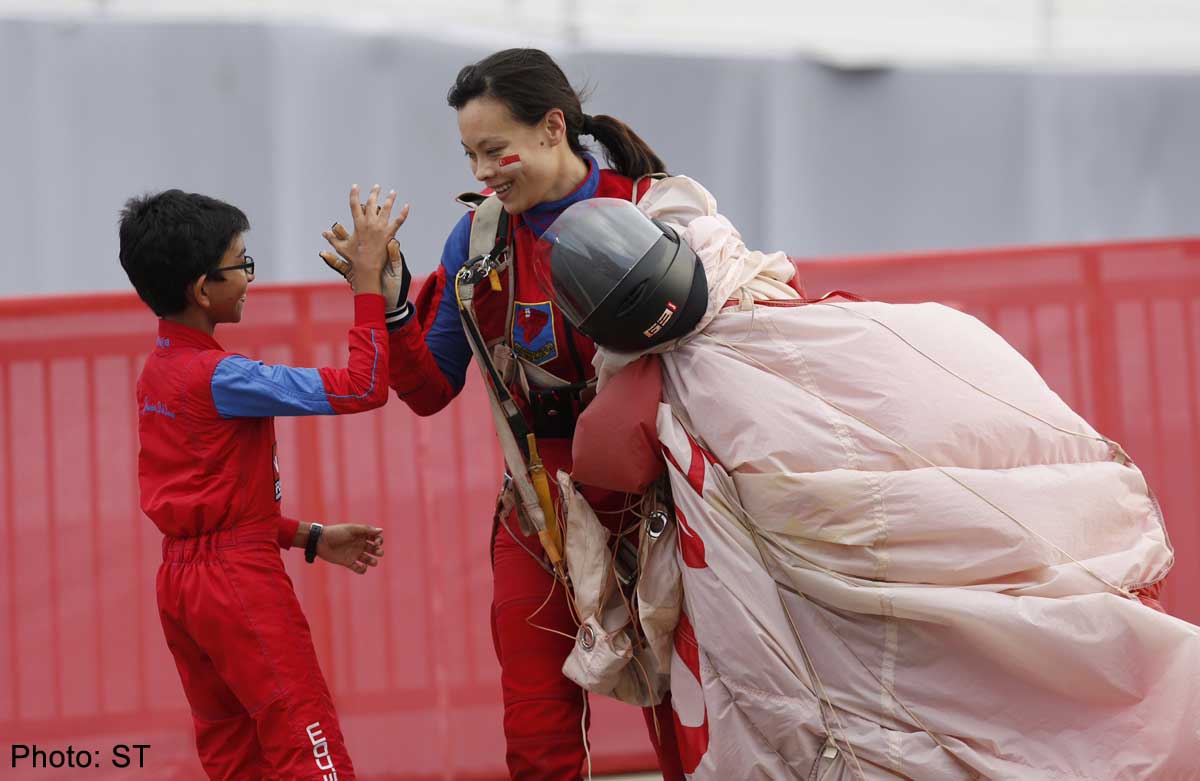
(226, 290)
(548, 169)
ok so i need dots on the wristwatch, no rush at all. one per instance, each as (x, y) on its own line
(310, 547)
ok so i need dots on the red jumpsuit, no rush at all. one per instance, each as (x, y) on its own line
(209, 479)
(542, 708)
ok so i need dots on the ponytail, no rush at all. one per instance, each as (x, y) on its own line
(624, 149)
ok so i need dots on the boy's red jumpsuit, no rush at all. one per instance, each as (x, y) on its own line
(209, 479)
(543, 710)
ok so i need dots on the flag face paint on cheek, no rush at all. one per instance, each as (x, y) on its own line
(510, 164)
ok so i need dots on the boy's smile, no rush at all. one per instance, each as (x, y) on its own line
(228, 282)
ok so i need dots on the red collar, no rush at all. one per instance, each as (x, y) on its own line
(172, 334)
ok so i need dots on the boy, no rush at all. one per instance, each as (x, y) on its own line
(209, 480)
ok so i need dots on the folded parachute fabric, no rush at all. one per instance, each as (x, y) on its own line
(902, 555)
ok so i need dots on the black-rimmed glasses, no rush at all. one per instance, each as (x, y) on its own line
(248, 265)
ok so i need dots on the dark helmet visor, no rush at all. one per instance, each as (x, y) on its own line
(586, 253)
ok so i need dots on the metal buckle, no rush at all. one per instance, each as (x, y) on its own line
(656, 524)
(476, 269)
(587, 638)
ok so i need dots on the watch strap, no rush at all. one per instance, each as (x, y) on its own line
(310, 547)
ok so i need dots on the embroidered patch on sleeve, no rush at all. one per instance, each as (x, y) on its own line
(533, 332)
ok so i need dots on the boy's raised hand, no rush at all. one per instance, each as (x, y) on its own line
(366, 253)
(352, 545)
(396, 277)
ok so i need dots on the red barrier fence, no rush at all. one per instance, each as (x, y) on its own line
(1115, 329)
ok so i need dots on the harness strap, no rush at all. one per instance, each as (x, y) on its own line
(489, 227)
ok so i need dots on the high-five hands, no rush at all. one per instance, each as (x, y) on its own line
(351, 545)
(395, 279)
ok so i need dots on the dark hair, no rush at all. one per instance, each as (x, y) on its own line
(530, 83)
(170, 239)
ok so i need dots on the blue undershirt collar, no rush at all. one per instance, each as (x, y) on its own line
(539, 217)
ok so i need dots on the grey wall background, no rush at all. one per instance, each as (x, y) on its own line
(814, 160)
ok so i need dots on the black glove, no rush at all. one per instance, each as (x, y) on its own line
(397, 279)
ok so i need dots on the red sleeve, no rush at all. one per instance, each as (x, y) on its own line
(430, 297)
(616, 438)
(287, 531)
(415, 375)
(362, 384)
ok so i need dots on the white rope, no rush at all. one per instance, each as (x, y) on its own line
(823, 697)
(587, 749)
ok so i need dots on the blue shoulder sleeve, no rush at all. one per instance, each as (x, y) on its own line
(242, 388)
(445, 338)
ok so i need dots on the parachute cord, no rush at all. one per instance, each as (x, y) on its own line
(633, 502)
(587, 749)
(546, 601)
(824, 701)
(749, 524)
(823, 697)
